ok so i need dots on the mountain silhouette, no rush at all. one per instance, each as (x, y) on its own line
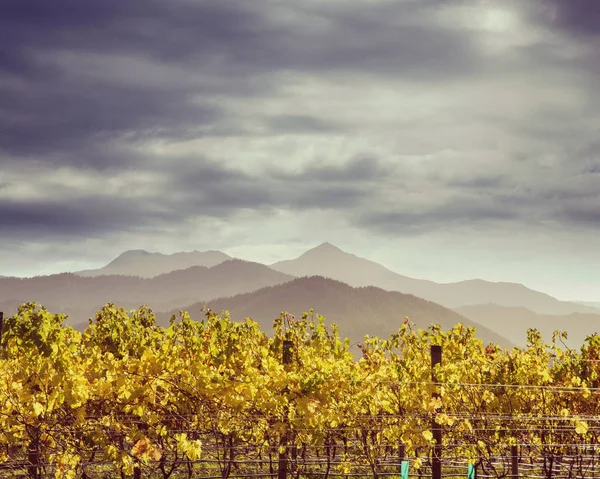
(512, 322)
(357, 311)
(81, 297)
(330, 261)
(147, 265)
(170, 282)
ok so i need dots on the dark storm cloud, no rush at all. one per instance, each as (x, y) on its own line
(77, 115)
(232, 198)
(453, 212)
(374, 40)
(588, 217)
(166, 30)
(82, 218)
(199, 187)
(207, 188)
(84, 83)
(187, 190)
(579, 17)
(564, 192)
(53, 104)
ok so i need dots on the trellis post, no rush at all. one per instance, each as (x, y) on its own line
(283, 459)
(436, 429)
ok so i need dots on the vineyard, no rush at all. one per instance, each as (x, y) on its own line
(217, 398)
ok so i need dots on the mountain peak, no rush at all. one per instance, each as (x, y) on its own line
(135, 252)
(130, 255)
(139, 262)
(324, 248)
(327, 245)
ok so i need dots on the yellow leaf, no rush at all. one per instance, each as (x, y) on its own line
(428, 435)
(581, 427)
(38, 408)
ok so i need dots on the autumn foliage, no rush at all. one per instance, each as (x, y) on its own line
(172, 402)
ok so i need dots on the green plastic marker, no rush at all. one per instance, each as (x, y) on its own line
(470, 471)
(404, 470)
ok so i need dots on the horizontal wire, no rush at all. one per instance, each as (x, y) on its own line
(480, 415)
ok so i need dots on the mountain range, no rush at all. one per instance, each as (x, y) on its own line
(185, 280)
(594, 304)
(80, 297)
(147, 265)
(512, 322)
(356, 311)
(329, 261)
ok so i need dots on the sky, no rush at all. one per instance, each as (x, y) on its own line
(445, 139)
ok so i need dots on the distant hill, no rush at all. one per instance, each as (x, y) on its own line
(593, 304)
(357, 311)
(147, 265)
(81, 297)
(329, 261)
(512, 323)
(170, 282)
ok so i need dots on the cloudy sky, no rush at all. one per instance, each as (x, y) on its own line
(446, 139)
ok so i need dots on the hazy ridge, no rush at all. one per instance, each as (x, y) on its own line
(512, 322)
(80, 296)
(357, 311)
(147, 265)
(365, 297)
(329, 261)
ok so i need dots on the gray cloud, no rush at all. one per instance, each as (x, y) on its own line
(68, 89)
(75, 116)
(580, 17)
(474, 212)
(146, 70)
(588, 217)
(185, 189)
(89, 216)
(143, 119)
(214, 190)
(357, 170)
(481, 182)
(300, 124)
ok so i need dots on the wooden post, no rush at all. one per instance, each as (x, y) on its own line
(514, 456)
(33, 456)
(287, 351)
(283, 460)
(436, 429)
(1, 326)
